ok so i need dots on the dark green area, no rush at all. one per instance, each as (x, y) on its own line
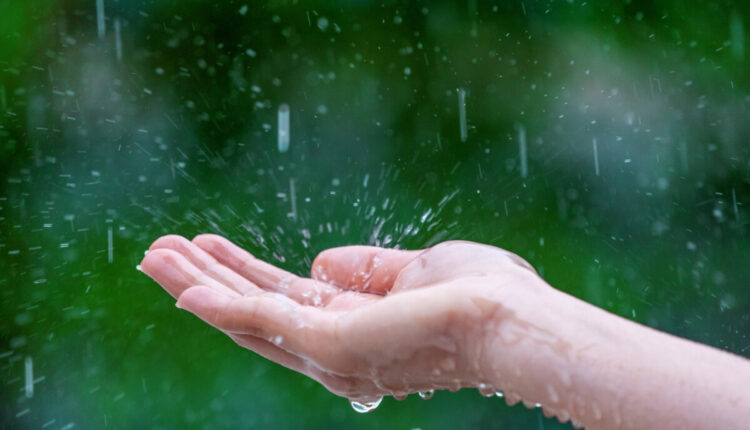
(179, 136)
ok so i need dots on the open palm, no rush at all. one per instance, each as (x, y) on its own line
(368, 322)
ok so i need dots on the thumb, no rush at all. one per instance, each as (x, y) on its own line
(361, 268)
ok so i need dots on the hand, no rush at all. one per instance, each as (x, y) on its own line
(369, 322)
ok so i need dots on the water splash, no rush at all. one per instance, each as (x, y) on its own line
(364, 407)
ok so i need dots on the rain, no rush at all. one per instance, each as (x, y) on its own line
(605, 144)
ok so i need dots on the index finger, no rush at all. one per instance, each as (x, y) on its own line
(304, 330)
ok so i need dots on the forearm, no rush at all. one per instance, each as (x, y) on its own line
(604, 372)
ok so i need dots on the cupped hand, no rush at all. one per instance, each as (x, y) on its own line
(369, 321)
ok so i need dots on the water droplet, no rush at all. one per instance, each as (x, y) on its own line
(364, 407)
(499, 393)
(462, 113)
(426, 394)
(485, 390)
(138, 268)
(283, 135)
(553, 397)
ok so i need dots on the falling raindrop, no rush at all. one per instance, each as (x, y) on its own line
(293, 198)
(118, 41)
(364, 407)
(462, 113)
(522, 150)
(110, 246)
(29, 377)
(596, 157)
(283, 128)
(737, 35)
(426, 394)
(100, 26)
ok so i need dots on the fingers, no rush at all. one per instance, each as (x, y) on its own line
(206, 263)
(346, 386)
(361, 268)
(176, 274)
(265, 275)
(303, 330)
(270, 351)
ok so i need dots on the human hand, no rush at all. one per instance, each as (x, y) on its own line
(369, 322)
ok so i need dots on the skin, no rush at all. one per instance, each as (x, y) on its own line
(371, 322)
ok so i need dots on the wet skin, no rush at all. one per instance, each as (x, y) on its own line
(371, 322)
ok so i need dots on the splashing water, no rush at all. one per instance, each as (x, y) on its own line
(364, 407)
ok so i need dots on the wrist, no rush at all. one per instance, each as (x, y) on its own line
(543, 345)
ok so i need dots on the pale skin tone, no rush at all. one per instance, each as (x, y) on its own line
(372, 322)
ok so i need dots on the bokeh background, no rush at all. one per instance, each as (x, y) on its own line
(606, 142)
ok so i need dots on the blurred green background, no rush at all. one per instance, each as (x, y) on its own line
(160, 116)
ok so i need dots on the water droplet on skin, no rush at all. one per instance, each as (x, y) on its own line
(553, 397)
(138, 268)
(565, 378)
(400, 396)
(499, 393)
(426, 394)
(485, 390)
(597, 411)
(576, 424)
(364, 407)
